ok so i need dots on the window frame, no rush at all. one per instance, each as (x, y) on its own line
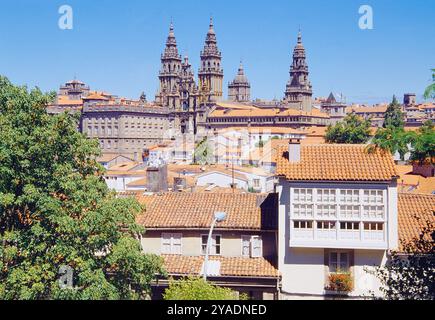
(215, 245)
(172, 245)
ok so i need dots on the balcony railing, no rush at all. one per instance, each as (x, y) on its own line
(340, 235)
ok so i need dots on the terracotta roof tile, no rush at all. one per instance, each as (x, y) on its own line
(415, 210)
(230, 266)
(336, 162)
(196, 210)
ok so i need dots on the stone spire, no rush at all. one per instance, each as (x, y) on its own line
(210, 73)
(169, 75)
(298, 91)
(171, 50)
(239, 89)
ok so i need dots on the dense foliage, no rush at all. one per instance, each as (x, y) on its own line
(353, 129)
(429, 93)
(423, 144)
(57, 212)
(198, 289)
(411, 274)
(420, 144)
(394, 117)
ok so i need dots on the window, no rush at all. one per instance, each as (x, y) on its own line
(349, 211)
(303, 224)
(326, 195)
(326, 210)
(349, 226)
(246, 246)
(372, 226)
(303, 195)
(252, 246)
(325, 225)
(256, 183)
(338, 261)
(303, 210)
(215, 244)
(256, 247)
(373, 196)
(171, 243)
(349, 196)
(373, 212)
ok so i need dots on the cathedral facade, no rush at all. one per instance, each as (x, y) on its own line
(178, 90)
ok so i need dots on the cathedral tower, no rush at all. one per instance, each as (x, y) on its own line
(168, 94)
(210, 74)
(239, 89)
(298, 91)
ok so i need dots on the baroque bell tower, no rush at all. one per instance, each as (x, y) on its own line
(168, 94)
(210, 74)
(299, 91)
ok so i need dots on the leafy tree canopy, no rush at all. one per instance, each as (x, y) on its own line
(393, 139)
(353, 129)
(429, 93)
(423, 144)
(198, 289)
(411, 274)
(394, 116)
(56, 210)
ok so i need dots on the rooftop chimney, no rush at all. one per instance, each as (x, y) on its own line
(294, 150)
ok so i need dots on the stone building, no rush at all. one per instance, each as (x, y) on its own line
(239, 90)
(125, 129)
(336, 110)
(299, 91)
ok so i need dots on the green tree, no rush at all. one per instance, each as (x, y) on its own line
(429, 93)
(394, 140)
(423, 144)
(411, 274)
(56, 210)
(353, 129)
(393, 115)
(197, 289)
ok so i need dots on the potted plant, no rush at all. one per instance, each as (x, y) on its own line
(340, 283)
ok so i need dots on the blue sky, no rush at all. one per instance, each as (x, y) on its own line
(116, 45)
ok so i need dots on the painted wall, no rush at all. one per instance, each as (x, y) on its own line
(221, 180)
(231, 242)
(303, 269)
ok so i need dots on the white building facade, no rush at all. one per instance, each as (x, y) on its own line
(336, 227)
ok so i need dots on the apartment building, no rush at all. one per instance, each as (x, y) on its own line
(244, 245)
(337, 215)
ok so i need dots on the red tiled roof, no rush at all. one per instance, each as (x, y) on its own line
(336, 162)
(415, 211)
(230, 266)
(196, 210)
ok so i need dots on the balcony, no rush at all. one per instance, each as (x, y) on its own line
(336, 238)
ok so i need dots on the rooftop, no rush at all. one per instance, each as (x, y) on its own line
(196, 210)
(229, 266)
(415, 211)
(336, 162)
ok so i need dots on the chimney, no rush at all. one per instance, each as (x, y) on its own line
(157, 178)
(294, 150)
